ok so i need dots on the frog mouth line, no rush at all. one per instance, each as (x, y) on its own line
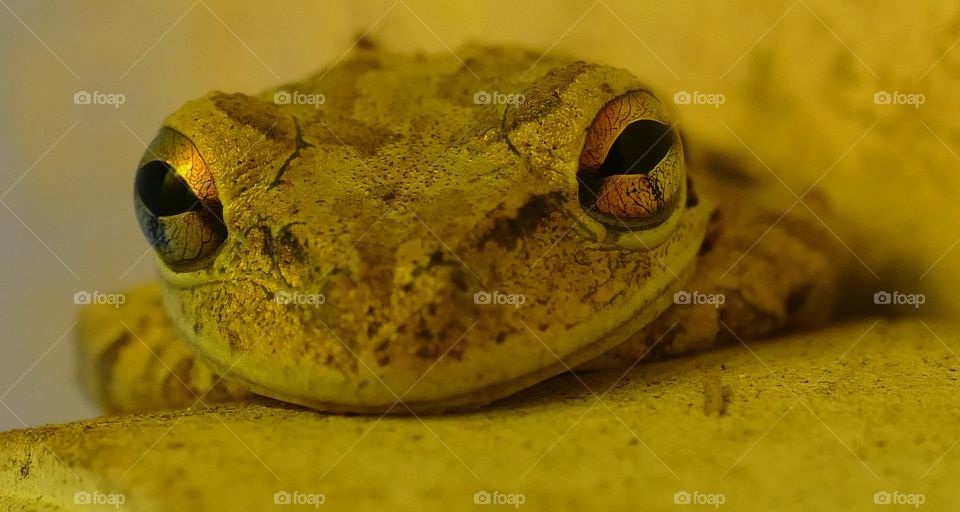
(193, 281)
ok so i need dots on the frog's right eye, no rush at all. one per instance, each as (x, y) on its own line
(177, 203)
(632, 176)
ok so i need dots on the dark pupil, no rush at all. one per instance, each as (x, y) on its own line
(638, 149)
(163, 192)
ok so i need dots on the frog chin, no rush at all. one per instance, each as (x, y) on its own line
(369, 391)
(203, 304)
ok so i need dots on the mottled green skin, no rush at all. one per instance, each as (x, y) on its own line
(398, 199)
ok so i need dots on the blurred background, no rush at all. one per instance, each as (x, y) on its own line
(855, 102)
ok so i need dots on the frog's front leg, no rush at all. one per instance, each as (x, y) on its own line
(132, 359)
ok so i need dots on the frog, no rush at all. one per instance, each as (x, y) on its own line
(409, 234)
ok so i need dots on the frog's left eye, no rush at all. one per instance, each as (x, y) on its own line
(177, 203)
(631, 175)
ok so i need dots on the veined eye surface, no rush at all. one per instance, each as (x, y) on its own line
(177, 203)
(631, 173)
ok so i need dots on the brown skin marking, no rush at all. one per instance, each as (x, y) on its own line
(177, 386)
(545, 95)
(107, 361)
(507, 232)
(249, 111)
(25, 468)
(301, 145)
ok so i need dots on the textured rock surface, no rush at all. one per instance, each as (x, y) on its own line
(810, 422)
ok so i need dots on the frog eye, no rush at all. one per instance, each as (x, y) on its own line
(631, 173)
(177, 203)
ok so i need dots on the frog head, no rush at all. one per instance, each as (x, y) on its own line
(432, 231)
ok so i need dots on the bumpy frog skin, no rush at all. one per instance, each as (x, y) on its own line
(397, 235)
(377, 240)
